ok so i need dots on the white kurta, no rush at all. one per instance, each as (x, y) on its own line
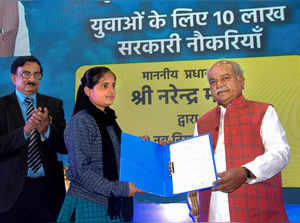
(265, 166)
(22, 45)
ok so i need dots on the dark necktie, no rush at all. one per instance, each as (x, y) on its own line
(34, 159)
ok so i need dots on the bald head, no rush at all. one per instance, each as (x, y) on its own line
(234, 66)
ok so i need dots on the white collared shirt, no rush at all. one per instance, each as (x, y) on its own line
(265, 166)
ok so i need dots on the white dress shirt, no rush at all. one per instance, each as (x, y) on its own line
(265, 166)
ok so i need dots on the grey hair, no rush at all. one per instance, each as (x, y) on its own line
(236, 67)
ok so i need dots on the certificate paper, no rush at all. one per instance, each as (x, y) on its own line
(194, 166)
(167, 170)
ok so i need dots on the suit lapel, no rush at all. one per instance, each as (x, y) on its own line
(39, 101)
(14, 111)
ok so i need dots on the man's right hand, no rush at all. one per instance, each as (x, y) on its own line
(133, 190)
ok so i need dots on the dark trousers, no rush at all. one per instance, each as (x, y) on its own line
(32, 205)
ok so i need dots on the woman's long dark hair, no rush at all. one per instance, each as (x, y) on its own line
(89, 79)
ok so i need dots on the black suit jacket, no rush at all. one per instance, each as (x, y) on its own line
(13, 146)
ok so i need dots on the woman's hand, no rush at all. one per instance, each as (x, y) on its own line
(145, 137)
(165, 142)
(133, 190)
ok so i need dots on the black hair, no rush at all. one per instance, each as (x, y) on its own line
(20, 61)
(90, 78)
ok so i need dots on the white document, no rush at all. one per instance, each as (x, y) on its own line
(194, 165)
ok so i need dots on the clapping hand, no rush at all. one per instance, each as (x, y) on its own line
(44, 120)
(39, 120)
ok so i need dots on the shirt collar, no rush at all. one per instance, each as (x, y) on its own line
(21, 97)
(235, 102)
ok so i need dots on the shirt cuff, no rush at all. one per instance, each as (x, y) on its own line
(252, 170)
(46, 136)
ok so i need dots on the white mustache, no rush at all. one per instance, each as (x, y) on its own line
(221, 90)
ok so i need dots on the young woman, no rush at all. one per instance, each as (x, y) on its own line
(92, 138)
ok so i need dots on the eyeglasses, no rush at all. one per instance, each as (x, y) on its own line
(36, 75)
(214, 82)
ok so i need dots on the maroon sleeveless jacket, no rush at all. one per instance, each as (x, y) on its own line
(259, 202)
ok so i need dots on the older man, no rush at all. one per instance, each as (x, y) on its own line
(250, 148)
(31, 132)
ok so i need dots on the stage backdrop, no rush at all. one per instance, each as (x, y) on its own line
(160, 51)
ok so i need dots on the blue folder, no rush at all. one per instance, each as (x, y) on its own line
(145, 164)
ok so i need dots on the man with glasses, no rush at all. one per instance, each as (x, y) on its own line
(31, 133)
(250, 148)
